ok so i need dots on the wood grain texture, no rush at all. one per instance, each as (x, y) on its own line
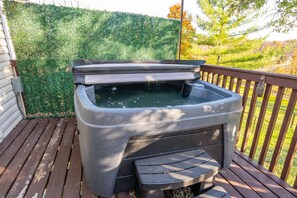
(290, 156)
(16, 164)
(239, 184)
(73, 180)
(244, 101)
(11, 137)
(251, 181)
(279, 181)
(283, 130)
(281, 80)
(56, 180)
(42, 172)
(42, 160)
(11, 151)
(219, 180)
(247, 130)
(271, 125)
(260, 120)
(25, 175)
(261, 177)
(231, 84)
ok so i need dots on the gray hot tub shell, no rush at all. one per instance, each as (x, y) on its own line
(105, 133)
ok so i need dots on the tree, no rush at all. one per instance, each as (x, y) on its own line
(285, 15)
(227, 22)
(188, 31)
(294, 62)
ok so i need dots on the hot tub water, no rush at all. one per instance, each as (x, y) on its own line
(143, 95)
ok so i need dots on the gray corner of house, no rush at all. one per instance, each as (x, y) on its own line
(11, 103)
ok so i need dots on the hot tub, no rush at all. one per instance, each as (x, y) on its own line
(116, 127)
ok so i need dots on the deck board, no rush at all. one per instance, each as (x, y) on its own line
(255, 185)
(279, 181)
(41, 158)
(11, 151)
(73, 180)
(227, 186)
(261, 177)
(11, 171)
(239, 184)
(25, 175)
(58, 174)
(41, 175)
(11, 136)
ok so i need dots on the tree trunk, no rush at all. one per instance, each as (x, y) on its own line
(219, 59)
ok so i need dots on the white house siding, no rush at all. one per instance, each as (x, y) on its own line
(10, 114)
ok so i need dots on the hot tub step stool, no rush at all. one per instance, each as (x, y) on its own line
(174, 171)
(216, 191)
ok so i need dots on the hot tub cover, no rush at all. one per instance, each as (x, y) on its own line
(91, 72)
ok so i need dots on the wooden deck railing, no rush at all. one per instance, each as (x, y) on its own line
(268, 126)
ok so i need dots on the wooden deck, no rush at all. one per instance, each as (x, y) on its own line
(42, 158)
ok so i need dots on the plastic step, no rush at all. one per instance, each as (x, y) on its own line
(216, 191)
(175, 170)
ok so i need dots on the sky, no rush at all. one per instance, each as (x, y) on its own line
(159, 8)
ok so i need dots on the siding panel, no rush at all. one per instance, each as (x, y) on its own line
(10, 114)
(9, 96)
(6, 72)
(5, 64)
(2, 35)
(4, 82)
(5, 106)
(12, 125)
(3, 50)
(3, 42)
(4, 57)
(8, 122)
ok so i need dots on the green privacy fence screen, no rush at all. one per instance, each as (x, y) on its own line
(46, 38)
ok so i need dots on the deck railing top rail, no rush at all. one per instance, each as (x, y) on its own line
(282, 80)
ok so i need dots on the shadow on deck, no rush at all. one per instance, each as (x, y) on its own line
(42, 158)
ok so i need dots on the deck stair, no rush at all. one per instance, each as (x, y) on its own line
(157, 176)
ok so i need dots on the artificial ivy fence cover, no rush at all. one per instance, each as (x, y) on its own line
(46, 38)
